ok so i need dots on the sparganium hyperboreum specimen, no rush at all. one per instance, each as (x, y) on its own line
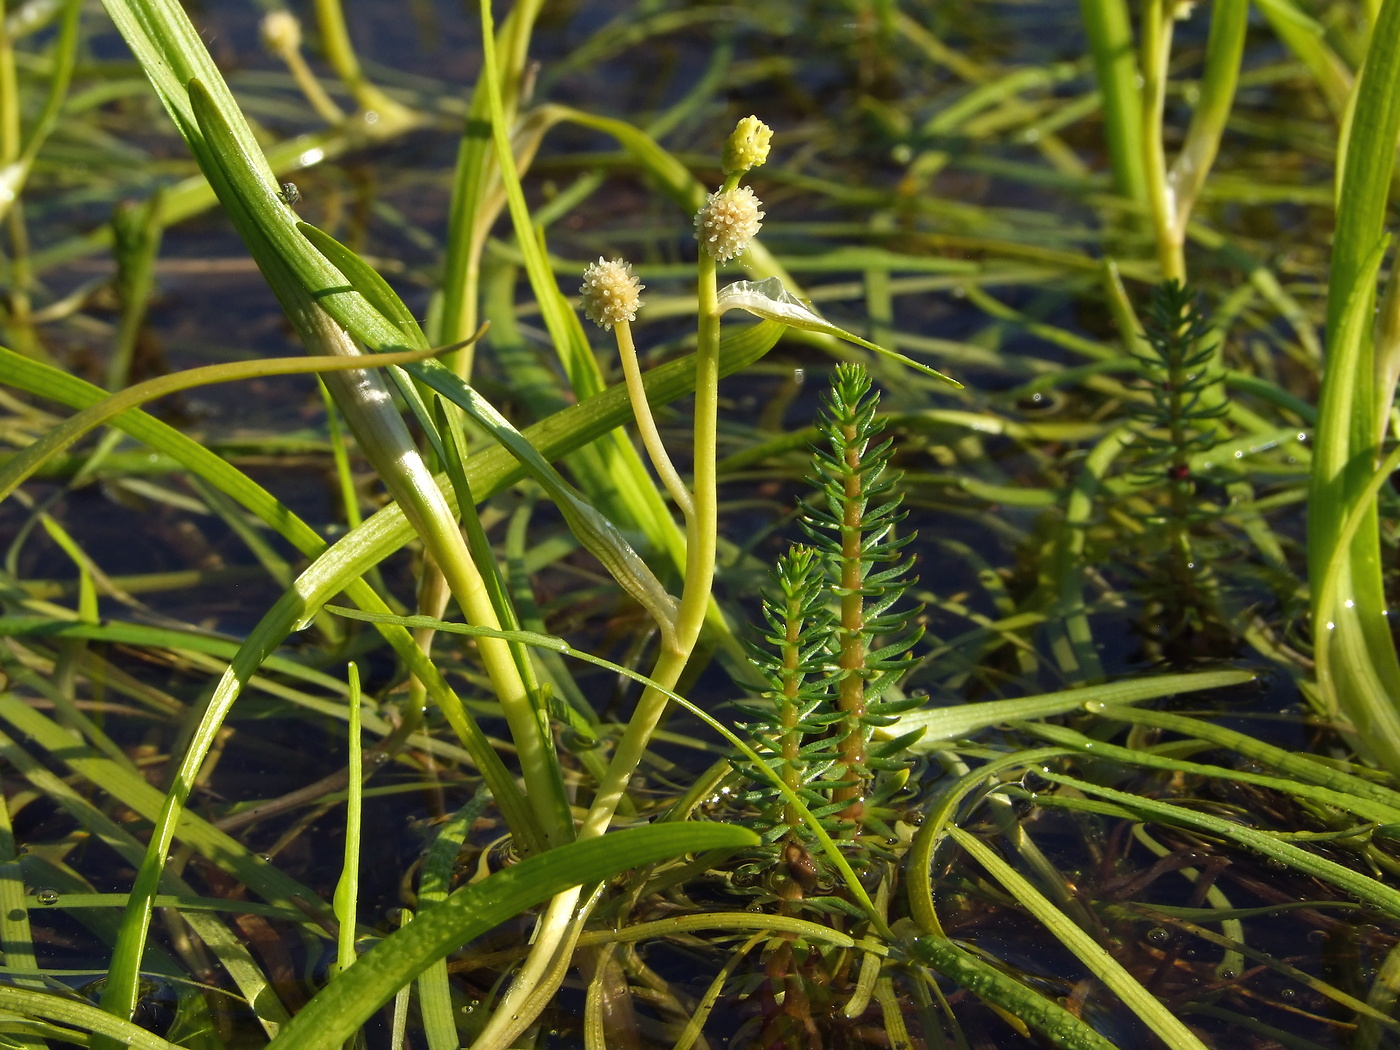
(611, 293)
(747, 146)
(728, 222)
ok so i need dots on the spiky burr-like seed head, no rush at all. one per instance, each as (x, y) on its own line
(747, 147)
(728, 222)
(281, 32)
(611, 293)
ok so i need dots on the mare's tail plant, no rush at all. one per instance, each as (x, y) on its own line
(830, 648)
(1173, 431)
(853, 525)
(795, 652)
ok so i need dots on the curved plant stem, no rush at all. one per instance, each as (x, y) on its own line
(651, 438)
(517, 1008)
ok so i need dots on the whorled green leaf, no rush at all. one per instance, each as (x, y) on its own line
(770, 300)
(337, 1011)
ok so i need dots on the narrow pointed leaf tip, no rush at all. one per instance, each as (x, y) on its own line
(771, 301)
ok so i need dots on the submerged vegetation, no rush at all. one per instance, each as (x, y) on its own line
(1003, 660)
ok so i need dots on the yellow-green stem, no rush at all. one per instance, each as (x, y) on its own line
(9, 98)
(701, 527)
(641, 410)
(386, 443)
(335, 38)
(1157, 21)
(317, 95)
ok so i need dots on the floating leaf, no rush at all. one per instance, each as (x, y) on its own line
(771, 301)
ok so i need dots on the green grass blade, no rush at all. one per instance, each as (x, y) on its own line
(1307, 39)
(1224, 50)
(1366, 673)
(231, 952)
(16, 937)
(60, 437)
(1159, 1019)
(1110, 33)
(337, 1012)
(989, 984)
(347, 890)
(1366, 808)
(81, 1015)
(950, 723)
(133, 790)
(1363, 887)
(1357, 670)
(1294, 764)
(434, 993)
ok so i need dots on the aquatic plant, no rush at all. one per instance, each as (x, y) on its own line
(576, 561)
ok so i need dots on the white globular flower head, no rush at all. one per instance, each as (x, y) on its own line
(281, 32)
(728, 222)
(611, 292)
(747, 147)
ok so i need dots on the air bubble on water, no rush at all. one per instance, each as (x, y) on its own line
(265, 858)
(1159, 935)
(47, 897)
(471, 1006)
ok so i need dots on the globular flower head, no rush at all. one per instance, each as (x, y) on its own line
(281, 32)
(747, 147)
(611, 292)
(728, 222)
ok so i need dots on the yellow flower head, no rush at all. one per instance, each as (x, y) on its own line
(747, 147)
